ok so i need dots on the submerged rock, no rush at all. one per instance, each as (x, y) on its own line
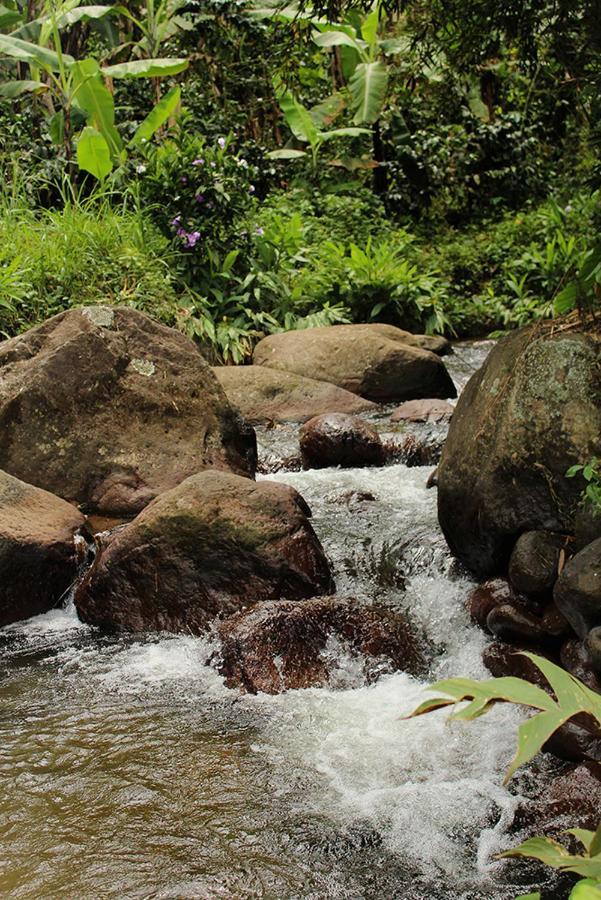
(266, 395)
(531, 411)
(212, 545)
(107, 408)
(379, 362)
(578, 589)
(38, 556)
(337, 439)
(274, 647)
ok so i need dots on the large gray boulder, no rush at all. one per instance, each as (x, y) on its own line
(209, 547)
(266, 395)
(38, 555)
(107, 408)
(379, 362)
(529, 413)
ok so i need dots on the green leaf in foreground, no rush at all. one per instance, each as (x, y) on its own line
(93, 153)
(572, 698)
(158, 115)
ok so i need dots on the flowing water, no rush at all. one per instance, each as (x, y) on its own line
(129, 771)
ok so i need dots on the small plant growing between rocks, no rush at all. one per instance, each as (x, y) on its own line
(591, 472)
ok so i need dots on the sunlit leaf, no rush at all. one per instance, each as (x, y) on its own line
(145, 68)
(12, 89)
(159, 114)
(93, 153)
(368, 87)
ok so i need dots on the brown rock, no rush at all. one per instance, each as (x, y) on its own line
(422, 411)
(486, 597)
(503, 659)
(273, 647)
(513, 623)
(571, 800)
(38, 557)
(577, 591)
(534, 562)
(107, 408)
(592, 645)
(339, 440)
(379, 362)
(575, 659)
(531, 410)
(210, 546)
(265, 395)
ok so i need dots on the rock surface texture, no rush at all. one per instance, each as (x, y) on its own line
(266, 395)
(578, 590)
(273, 647)
(532, 410)
(379, 362)
(211, 546)
(107, 408)
(337, 439)
(38, 560)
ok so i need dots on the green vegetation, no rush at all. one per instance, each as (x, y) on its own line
(591, 493)
(572, 698)
(238, 170)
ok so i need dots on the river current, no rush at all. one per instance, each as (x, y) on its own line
(129, 771)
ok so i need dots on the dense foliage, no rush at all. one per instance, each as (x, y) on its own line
(238, 170)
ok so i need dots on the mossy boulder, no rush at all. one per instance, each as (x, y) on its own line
(106, 408)
(379, 362)
(38, 555)
(530, 412)
(209, 547)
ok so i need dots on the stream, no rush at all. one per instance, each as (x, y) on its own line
(130, 771)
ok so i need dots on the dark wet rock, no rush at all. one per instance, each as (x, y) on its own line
(533, 409)
(575, 743)
(592, 645)
(423, 411)
(107, 408)
(265, 395)
(503, 659)
(349, 497)
(208, 547)
(379, 362)
(415, 449)
(578, 589)
(432, 479)
(534, 562)
(575, 659)
(570, 800)
(38, 554)
(511, 623)
(587, 526)
(493, 593)
(273, 647)
(337, 439)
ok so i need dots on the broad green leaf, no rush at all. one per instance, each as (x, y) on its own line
(158, 115)
(9, 17)
(588, 889)
(93, 97)
(145, 68)
(286, 154)
(369, 26)
(327, 39)
(93, 153)
(328, 110)
(595, 846)
(56, 128)
(13, 89)
(32, 54)
(342, 132)
(298, 118)
(584, 836)
(85, 14)
(349, 59)
(368, 87)
(535, 896)
(545, 849)
(566, 300)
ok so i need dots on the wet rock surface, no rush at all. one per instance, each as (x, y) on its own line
(38, 555)
(379, 362)
(336, 439)
(534, 562)
(578, 589)
(531, 410)
(208, 547)
(113, 409)
(278, 646)
(266, 395)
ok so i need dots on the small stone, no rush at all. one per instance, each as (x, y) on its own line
(592, 644)
(510, 623)
(422, 411)
(337, 439)
(534, 562)
(578, 589)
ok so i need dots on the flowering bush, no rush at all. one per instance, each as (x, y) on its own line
(200, 193)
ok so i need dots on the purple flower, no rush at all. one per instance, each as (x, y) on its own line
(198, 162)
(193, 238)
(221, 142)
(184, 179)
(176, 221)
(260, 232)
(200, 198)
